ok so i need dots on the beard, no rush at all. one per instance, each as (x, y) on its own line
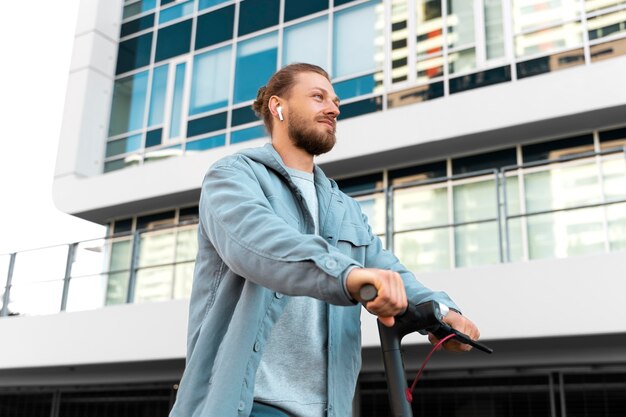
(308, 138)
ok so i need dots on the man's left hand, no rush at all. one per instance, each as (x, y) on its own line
(463, 325)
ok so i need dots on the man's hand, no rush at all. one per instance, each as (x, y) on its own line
(462, 324)
(391, 299)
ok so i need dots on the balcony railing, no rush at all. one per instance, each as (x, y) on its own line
(550, 209)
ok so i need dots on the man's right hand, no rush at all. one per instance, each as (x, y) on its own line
(391, 299)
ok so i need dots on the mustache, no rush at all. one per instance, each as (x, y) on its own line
(330, 119)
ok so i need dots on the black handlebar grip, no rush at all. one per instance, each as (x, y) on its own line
(368, 293)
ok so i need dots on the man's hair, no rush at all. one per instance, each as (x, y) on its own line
(280, 85)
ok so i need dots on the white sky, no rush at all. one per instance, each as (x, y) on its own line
(36, 40)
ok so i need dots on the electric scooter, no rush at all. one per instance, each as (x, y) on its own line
(423, 318)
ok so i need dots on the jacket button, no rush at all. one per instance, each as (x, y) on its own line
(257, 346)
(242, 405)
(331, 264)
(278, 295)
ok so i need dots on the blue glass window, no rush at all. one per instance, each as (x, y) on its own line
(307, 42)
(243, 115)
(177, 102)
(206, 124)
(137, 8)
(120, 164)
(215, 27)
(157, 95)
(205, 4)
(247, 134)
(134, 53)
(164, 2)
(258, 53)
(354, 40)
(173, 40)
(129, 103)
(204, 144)
(120, 146)
(355, 87)
(298, 8)
(153, 138)
(175, 12)
(257, 14)
(210, 80)
(137, 25)
(358, 108)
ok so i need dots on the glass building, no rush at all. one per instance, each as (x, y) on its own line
(484, 139)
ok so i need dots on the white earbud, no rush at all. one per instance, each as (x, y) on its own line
(279, 109)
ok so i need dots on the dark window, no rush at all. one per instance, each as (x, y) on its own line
(215, 27)
(189, 213)
(480, 79)
(613, 138)
(134, 53)
(400, 43)
(257, 14)
(595, 395)
(397, 25)
(550, 63)
(419, 172)
(154, 403)
(173, 40)
(122, 226)
(164, 2)
(25, 405)
(360, 184)
(298, 8)
(152, 220)
(557, 148)
(243, 115)
(340, 2)
(359, 108)
(206, 124)
(415, 95)
(153, 137)
(137, 25)
(491, 160)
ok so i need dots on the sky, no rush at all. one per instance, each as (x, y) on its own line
(36, 50)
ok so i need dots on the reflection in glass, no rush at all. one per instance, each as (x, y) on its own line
(429, 68)
(134, 53)
(373, 206)
(306, 42)
(420, 207)
(494, 29)
(566, 233)
(593, 5)
(529, 15)
(129, 102)
(177, 101)
(425, 250)
(117, 288)
(205, 144)
(614, 177)
(156, 248)
(259, 53)
(547, 40)
(474, 201)
(210, 80)
(157, 95)
(154, 284)
(608, 50)
(607, 24)
(139, 7)
(476, 244)
(550, 63)
(616, 222)
(183, 279)
(429, 27)
(186, 243)
(460, 21)
(462, 61)
(175, 12)
(120, 146)
(399, 36)
(355, 87)
(355, 39)
(247, 134)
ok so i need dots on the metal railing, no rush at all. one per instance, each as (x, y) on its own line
(157, 263)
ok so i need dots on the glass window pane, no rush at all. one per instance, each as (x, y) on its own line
(173, 40)
(175, 12)
(248, 134)
(355, 35)
(139, 7)
(154, 284)
(154, 138)
(476, 244)
(460, 23)
(243, 115)
(537, 14)
(429, 68)
(399, 36)
(186, 243)
(117, 288)
(121, 146)
(373, 206)
(474, 201)
(205, 144)
(183, 279)
(206, 124)
(257, 14)
(129, 102)
(415, 95)
(484, 161)
(128, 161)
(121, 252)
(298, 8)
(462, 61)
(429, 27)
(355, 87)
(420, 207)
(134, 53)
(562, 186)
(515, 241)
(258, 53)
(157, 95)
(358, 108)
(215, 27)
(567, 233)
(550, 63)
(90, 258)
(548, 40)
(425, 250)
(163, 153)
(35, 298)
(616, 223)
(556, 149)
(210, 80)
(607, 24)
(137, 25)
(307, 42)
(156, 248)
(205, 4)
(614, 177)
(177, 101)
(494, 29)
(480, 79)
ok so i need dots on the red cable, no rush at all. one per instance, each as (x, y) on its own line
(409, 391)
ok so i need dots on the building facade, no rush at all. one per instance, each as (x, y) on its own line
(484, 139)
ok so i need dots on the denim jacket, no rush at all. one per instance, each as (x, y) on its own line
(257, 248)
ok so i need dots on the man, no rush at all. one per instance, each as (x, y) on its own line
(274, 323)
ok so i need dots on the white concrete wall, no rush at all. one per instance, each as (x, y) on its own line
(575, 296)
